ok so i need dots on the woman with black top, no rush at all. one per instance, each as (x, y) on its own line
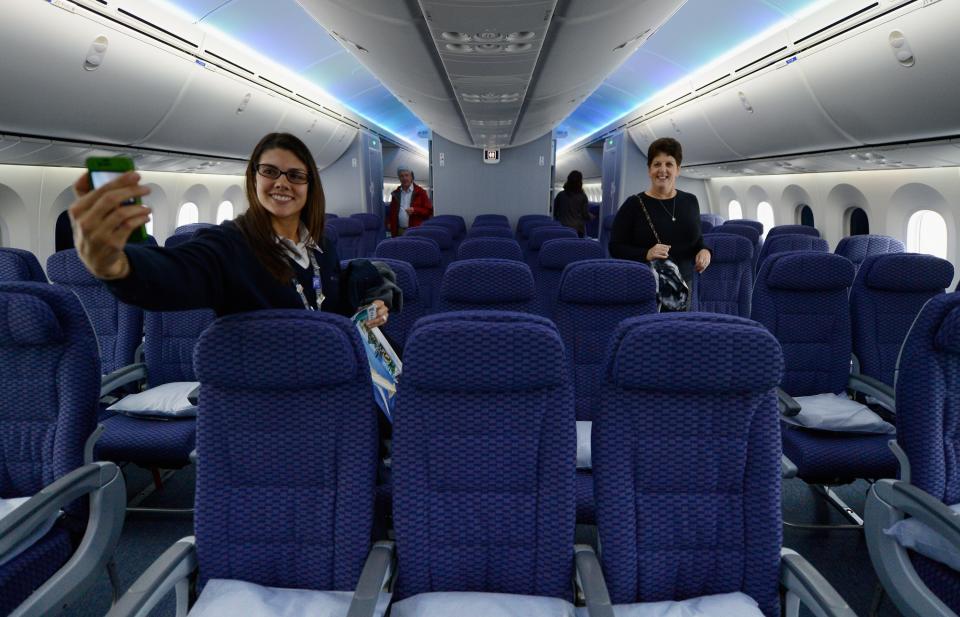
(570, 205)
(272, 256)
(675, 215)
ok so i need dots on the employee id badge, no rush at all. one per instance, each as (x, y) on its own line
(371, 312)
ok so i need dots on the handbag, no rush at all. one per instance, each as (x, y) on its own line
(672, 291)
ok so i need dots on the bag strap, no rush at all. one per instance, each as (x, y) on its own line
(643, 206)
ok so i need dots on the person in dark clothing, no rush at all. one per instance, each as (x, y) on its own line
(63, 234)
(272, 256)
(570, 206)
(675, 214)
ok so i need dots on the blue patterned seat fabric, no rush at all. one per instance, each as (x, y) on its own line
(714, 219)
(423, 255)
(527, 227)
(441, 234)
(858, 248)
(746, 223)
(594, 297)
(490, 231)
(482, 220)
(553, 258)
(497, 248)
(455, 221)
(350, 240)
(484, 455)
(791, 242)
(487, 284)
(191, 228)
(888, 293)
(373, 231)
(746, 231)
(927, 421)
(118, 326)
(801, 297)
(540, 235)
(256, 520)
(50, 376)
(727, 285)
(716, 434)
(531, 217)
(20, 265)
(168, 344)
(803, 230)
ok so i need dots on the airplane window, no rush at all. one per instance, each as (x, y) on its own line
(927, 233)
(734, 211)
(224, 212)
(188, 214)
(765, 216)
(857, 222)
(805, 215)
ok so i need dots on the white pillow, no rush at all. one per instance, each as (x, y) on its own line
(584, 428)
(9, 505)
(720, 605)
(166, 401)
(478, 604)
(229, 598)
(918, 536)
(835, 412)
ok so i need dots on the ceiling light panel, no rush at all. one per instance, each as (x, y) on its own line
(489, 50)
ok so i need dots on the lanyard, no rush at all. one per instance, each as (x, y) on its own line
(317, 284)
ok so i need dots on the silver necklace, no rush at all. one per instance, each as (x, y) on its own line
(673, 206)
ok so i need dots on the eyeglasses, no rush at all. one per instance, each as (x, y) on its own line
(295, 176)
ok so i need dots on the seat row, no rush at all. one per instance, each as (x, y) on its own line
(484, 451)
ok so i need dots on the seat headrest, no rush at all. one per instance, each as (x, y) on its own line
(655, 352)
(64, 267)
(907, 272)
(948, 334)
(419, 252)
(346, 226)
(483, 351)
(557, 253)
(807, 270)
(541, 234)
(527, 227)
(858, 248)
(27, 320)
(369, 220)
(440, 234)
(795, 242)
(757, 225)
(751, 233)
(728, 248)
(803, 230)
(281, 349)
(487, 281)
(607, 282)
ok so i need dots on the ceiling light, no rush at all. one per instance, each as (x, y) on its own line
(518, 47)
(489, 48)
(456, 37)
(459, 47)
(523, 35)
(489, 36)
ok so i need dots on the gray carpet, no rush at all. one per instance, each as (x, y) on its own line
(840, 555)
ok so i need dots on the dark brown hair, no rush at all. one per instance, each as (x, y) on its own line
(665, 145)
(574, 182)
(256, 223)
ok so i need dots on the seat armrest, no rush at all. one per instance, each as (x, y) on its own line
(913, 500)
(788, 406)
(173, 568)
(590, 581)
(121, 377)
(873, 388)
(108, 499)
(788, 469)
(377, 575)
(800, 579)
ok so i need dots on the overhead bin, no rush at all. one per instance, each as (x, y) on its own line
(700, 139)
(85, 61)
(326, 137)
(873, 95)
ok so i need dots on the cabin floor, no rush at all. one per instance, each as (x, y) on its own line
(840, 555)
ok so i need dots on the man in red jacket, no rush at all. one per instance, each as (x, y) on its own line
(409, 204)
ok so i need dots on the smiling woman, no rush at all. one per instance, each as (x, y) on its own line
(274, 255)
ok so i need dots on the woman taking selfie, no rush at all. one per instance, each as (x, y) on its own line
(274, 255)
(662, 222)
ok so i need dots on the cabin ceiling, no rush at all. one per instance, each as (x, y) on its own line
(492, 72)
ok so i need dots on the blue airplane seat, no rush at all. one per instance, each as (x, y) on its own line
(791, 242)
(554, 257)
(497, 248)
(887, 295)
(803, 230)
(373, 231)
(489, 231)
(423, 255)
(909, 554)
(746, 222)
(715, 545)
(858, 248)
(20, 265)
(539, 235)
(287, 525)
(51, 382)
(745, 231)
(595, 296)
(727, 285)
(715, 220)
(483, 220)
(350, 237)
(442, 235)
(487, 284)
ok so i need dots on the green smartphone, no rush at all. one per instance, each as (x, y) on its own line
(103, 169)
